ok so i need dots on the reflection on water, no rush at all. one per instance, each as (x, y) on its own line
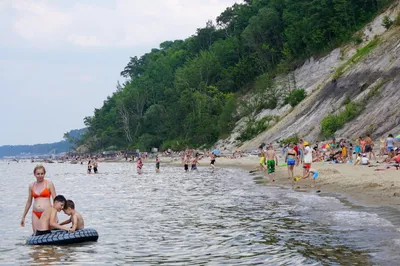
(174, 218)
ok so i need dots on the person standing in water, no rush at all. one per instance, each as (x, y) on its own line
(212, 161)
(186, 161)
(40, 191)
(139, 165)
(95, 166)
(89, 167)
(157, 164)
(272, 161)
(194, 163)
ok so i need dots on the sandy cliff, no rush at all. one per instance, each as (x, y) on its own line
(372, 78)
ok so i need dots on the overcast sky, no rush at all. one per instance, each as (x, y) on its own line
(60, 59)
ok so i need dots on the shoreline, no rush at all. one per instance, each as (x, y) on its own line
(359, 184)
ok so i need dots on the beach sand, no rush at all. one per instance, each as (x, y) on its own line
(357, 183)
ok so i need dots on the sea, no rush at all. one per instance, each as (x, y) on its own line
(226, 217)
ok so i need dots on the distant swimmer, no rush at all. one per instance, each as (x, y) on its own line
(194, 163)
(89, 167)
(139, 165)
(186, 161)
(212, 161)
(95, 166)
(157, 164)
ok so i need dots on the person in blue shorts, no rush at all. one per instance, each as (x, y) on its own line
(290, 159)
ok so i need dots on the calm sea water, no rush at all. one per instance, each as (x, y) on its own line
(224, 218)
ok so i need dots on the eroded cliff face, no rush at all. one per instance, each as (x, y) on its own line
(374, 80)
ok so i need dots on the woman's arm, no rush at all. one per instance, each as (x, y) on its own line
(52, 190)
(27, 205)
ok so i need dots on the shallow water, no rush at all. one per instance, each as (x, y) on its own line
(224, 218)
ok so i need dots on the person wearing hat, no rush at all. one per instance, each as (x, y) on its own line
(364, 160)
(307, 158)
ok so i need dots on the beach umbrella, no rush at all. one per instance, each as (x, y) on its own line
(217, 152)
(397, 137)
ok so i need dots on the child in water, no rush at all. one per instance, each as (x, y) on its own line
(74, 217)
(48, 220)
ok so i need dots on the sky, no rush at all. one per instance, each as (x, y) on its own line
(59, 60)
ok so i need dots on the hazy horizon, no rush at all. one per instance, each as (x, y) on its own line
(60, 60)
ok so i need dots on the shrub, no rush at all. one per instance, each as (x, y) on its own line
(357, 39)
(387, 22)
(295, 97)
(227, 118)
(397, 20)
(331, 123)
(253, 128)
(176, 145)
(347, 100)
(355, 58)
(292, 139)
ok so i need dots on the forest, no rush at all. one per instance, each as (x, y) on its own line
(186, 93)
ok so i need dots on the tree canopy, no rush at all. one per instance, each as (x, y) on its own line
(184, 92)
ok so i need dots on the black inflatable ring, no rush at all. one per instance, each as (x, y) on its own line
(61, 237)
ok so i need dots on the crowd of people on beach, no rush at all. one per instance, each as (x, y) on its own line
(363, 152)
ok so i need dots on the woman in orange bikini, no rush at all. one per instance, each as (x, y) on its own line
(41, 191)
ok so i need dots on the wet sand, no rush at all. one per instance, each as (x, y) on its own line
(358, 183)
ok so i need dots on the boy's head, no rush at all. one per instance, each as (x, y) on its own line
(59, 202)
(69, 207)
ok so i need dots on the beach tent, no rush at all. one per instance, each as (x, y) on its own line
(397, 137)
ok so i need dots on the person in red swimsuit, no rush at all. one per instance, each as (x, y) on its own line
(40, 191)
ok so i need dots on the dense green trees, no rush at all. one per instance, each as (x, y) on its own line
(185, 92)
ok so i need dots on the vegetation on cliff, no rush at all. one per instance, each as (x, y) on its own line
(185, 92)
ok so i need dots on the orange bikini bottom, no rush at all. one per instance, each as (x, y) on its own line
(38, 214)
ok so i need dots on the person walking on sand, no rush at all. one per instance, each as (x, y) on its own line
(301, 151)
(369, 147)
(362, 144)
(382, 142)
(262, 161)
(290, 159)
(389, 143)
(307, 158)
(272, 161)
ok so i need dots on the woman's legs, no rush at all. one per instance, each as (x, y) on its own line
(291, 171)
(35, 222)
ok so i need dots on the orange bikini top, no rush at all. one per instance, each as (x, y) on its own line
(46, 193)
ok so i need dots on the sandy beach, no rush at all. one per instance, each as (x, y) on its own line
(358, 183)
